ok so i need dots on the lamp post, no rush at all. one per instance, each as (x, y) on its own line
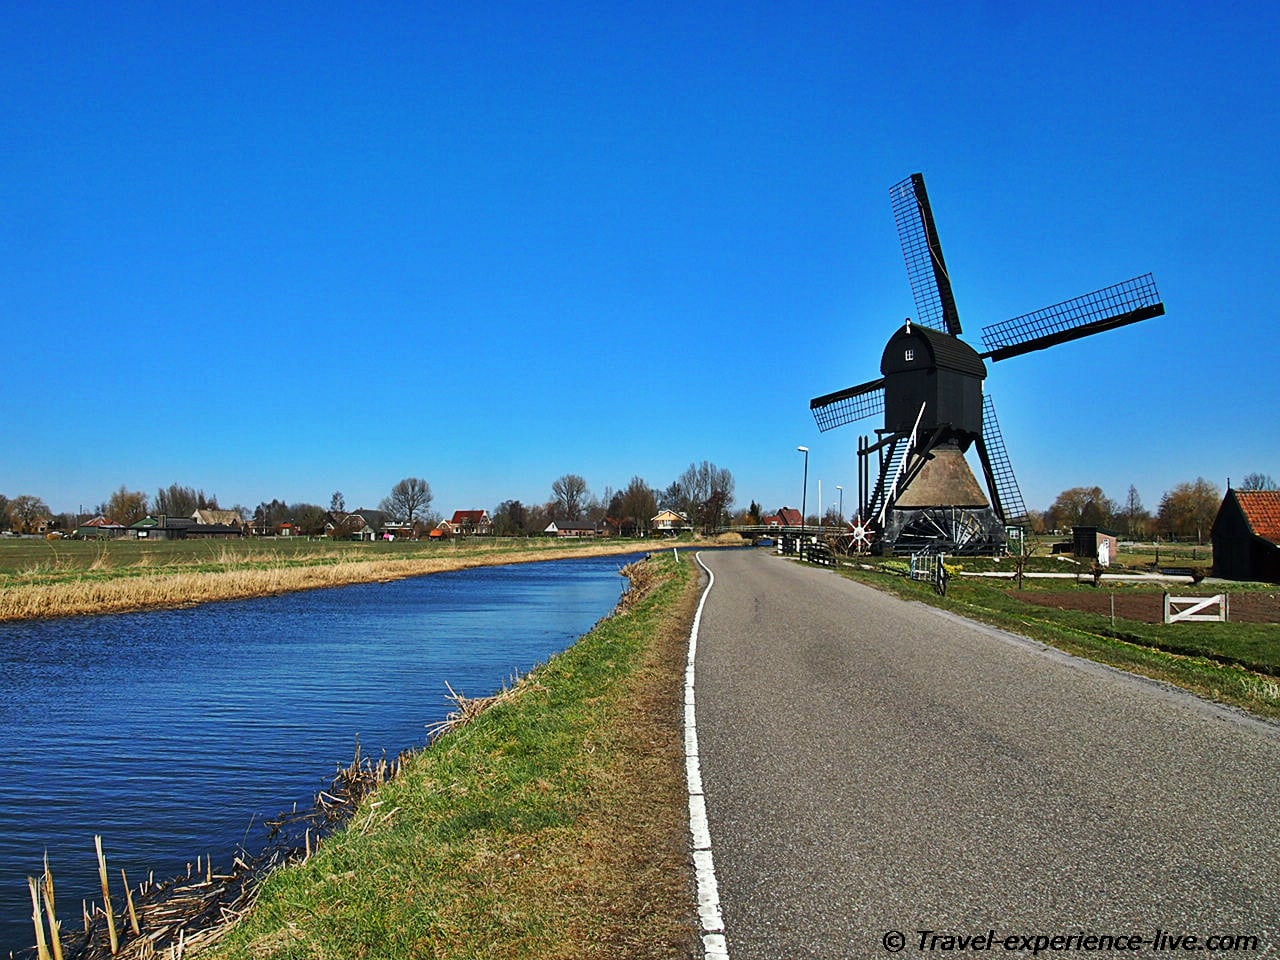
(804, 492)
(841, 511)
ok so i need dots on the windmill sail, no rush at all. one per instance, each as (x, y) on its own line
(1008, 493)
(927, 271)
(1105, 309)
(845, 406)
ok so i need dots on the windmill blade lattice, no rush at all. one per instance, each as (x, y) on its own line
(926, 270)
(1007, 489)
(845, 406)
(1105, 309)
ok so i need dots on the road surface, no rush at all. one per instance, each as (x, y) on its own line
(875, 768)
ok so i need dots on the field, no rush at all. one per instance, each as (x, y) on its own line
(46, 578)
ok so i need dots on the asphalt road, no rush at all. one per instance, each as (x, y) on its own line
(873, 765)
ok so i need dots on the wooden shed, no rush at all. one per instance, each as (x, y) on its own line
(1095, 543)
(1246, 536)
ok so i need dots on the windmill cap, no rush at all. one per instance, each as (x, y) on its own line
(932, 348)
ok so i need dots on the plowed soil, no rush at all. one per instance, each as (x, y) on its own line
(1245, 607)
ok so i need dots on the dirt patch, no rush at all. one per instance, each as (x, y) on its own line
(1246, 607)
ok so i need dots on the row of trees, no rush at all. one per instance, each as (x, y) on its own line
(1185, 512)
(704, 493)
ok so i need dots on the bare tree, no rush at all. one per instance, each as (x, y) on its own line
(1189, 508)
(637, 505)
(409, 500)
(26, 511)
(570, 492)
(179, 501)
(1087, 506)
(704, 492)
(338, 503)
(1258, 481)
(125, 506)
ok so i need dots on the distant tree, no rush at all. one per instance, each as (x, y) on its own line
(1188, 509)
(674, 497)
(1081, 506)
(309, 518)
(1136, 518)
(570, 493)
(1036, 522)
(538, 516)
(4, 512)
(510, 519)
(125, 506)
(179, 501)
(1258, 481)
(705, 494)
(755, 513)
(409, 500)
(338, 503)
(25, 513)
(637, 505)
(268, 516)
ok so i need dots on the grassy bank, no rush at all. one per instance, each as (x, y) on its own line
(63, 578)
(1235, 663)
(552, 826)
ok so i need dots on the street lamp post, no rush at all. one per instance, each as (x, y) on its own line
(841, 510)
(804, 492)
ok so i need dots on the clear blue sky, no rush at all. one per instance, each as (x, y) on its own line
(278, 250)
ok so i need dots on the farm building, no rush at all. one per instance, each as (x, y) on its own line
(571, 528)
(1246, 536)
(1095, 543)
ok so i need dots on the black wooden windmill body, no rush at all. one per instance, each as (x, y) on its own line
(924, 495)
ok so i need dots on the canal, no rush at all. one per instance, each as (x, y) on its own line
(174, 733)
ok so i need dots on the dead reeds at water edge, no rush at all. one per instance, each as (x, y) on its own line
(169, 919)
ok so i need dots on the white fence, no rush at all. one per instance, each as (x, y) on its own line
(1184, 609)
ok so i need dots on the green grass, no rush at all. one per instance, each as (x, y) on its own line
(1236, 663)
(551, 826)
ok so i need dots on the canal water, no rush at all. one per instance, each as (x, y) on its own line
(172, 733)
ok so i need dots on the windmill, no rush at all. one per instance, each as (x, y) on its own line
(925, 496)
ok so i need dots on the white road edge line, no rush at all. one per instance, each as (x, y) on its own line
(713, 933)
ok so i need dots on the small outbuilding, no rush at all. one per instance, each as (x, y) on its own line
(1095, 543)
(1246, 536)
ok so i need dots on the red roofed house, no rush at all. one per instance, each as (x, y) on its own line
(471, 523)
(465, 523)
(1246, 536)
(785, 517)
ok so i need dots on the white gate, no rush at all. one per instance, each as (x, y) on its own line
(1182, 609)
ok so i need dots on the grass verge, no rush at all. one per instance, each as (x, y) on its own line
(551, 826)
(1206, 659)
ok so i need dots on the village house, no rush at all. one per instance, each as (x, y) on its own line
(785, 517)
(669, 522)
(571, 528)
(470, 523)
(1246, 536)
(364, 525)
(228, 518)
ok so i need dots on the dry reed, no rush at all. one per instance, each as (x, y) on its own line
(167, 589)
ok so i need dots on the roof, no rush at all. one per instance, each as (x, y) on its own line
(469, 516)
(790, 517)
(1261, 509)
(212, 516)
(945, 351)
